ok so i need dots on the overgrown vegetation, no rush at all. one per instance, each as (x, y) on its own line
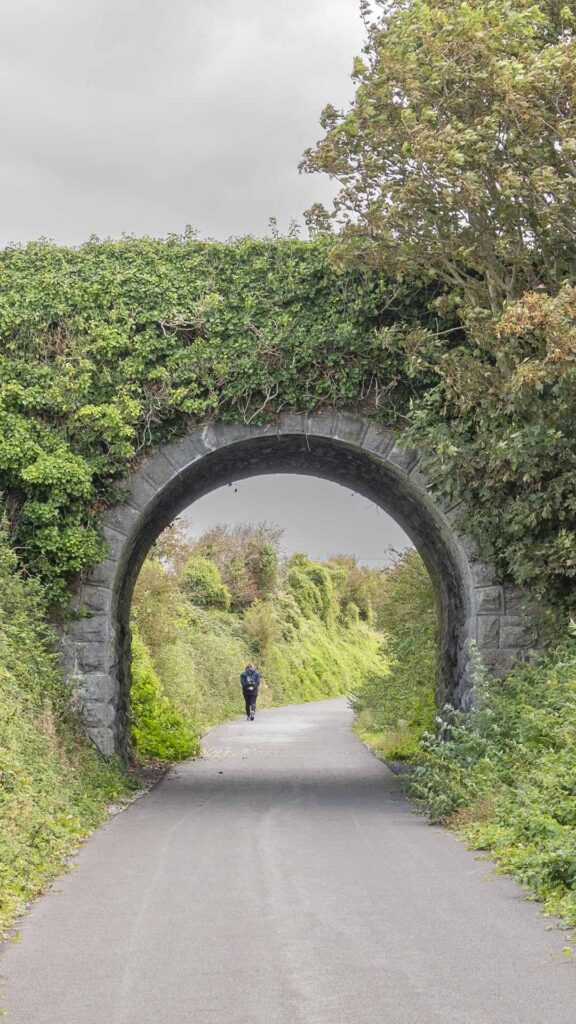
(108, 349)
(54, 787)
(504, 775)
(396, 708)
(190, 646)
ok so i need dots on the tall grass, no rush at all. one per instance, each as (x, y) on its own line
(54, 787)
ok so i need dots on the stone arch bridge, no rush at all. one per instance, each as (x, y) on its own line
(474, 608)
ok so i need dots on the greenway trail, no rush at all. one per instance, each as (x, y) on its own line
(283, 879)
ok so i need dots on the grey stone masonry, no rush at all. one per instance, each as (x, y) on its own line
(475, 608)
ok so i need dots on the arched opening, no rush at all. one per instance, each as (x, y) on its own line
(344, 449)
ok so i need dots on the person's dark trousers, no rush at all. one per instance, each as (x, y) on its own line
(250, 701)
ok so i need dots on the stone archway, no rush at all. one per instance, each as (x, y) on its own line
(473, 606)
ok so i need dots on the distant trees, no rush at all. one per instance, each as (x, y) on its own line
(203, 584)
(247, 559)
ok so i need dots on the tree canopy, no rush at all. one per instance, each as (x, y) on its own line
(456, 162)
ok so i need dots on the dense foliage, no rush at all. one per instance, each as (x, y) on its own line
(457, 156)
(190, 647)
(54, 787)
(395, 708)
(112, 347)
(505, 776)
(456, 162)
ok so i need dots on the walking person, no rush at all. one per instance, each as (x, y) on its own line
(250, 680)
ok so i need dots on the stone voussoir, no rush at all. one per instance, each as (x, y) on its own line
(321, 424)
(350, 429)
(402, 458)
(378, 440)
(183, 453)
(157, 470)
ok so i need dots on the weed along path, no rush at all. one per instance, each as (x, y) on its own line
(283, 879)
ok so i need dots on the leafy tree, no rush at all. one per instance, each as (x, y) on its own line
(247, 557)
(456, 163)
(203, 584)
(457, 156)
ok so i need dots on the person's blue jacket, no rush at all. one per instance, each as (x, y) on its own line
(250, 678)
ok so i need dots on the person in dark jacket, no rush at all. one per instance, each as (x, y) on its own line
(250, 680)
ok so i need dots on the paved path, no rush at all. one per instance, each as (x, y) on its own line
(284, 880)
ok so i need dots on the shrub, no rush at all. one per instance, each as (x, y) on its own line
(158, 728)
(396, 707)
(203, 584)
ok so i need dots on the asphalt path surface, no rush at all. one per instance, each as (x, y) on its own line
(283, 879)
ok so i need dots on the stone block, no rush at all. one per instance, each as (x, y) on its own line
(489, 599)
(483, 575)
(158, 471)
(402, 458)
(121, 518)
(95, 656)
(98, 713)
(350, 429)
(488, 631)
(183, 453)
(378, 440)
(95, 599)
(103, 737)
(140, 492)
(292, 423)
(514, 632)
(322, 424)
(103, 574)
(220, 435)
(418, 478)
(94, 627)
(98, 686)
(67, 655)
(518, 602)
(115, 542)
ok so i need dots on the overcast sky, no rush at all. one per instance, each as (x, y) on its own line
(318, 517)
(143, 116)
(146, 115)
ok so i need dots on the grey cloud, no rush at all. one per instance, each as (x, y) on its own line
(145, 116)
